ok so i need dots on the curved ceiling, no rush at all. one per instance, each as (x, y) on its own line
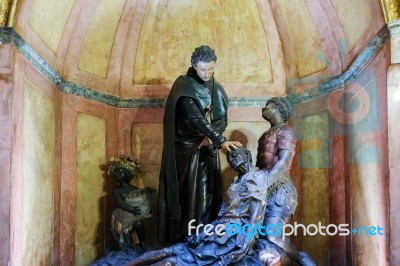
(136, 48)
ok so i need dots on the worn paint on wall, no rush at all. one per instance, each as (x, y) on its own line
(147, 142)
(393, 158)
(90, 187)
(315, 193)
(172, 29)
(305, 42)
(366, 168)
(38, 173)
(147, 146)
(100, 36)
(48, 20)
(314, 141)
(315, 182)
(355, 16)
(364, 196)
(6, 133)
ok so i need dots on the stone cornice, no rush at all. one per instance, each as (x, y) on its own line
(355, 69)
(394, 28)
(8, 35)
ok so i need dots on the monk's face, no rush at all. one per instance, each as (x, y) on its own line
(205, 70)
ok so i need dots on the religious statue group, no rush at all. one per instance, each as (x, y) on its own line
(190, 187)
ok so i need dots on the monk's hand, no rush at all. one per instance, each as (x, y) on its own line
(229, 145)
(206, 142)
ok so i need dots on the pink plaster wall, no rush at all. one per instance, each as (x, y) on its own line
(393, 156)
(70, 107)
(22, 72)
(358, 184)
(6, 85)
(67, 107)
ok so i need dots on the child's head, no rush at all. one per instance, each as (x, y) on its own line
(239, 157)
(123, 175)
(283, 105)
(123, 168)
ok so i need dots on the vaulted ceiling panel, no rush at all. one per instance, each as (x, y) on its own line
(173, 28)
(48, 19)
(355, 17)
(100, 37)
(303, 37)
(136, 48)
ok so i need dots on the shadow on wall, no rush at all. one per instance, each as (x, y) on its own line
(104, 241)
(228, 174)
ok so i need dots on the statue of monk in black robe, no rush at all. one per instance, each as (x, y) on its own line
(195, 119)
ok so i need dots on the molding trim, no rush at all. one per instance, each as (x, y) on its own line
(355, 69)
(9, 35)
(394, 28)
(5, 35)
